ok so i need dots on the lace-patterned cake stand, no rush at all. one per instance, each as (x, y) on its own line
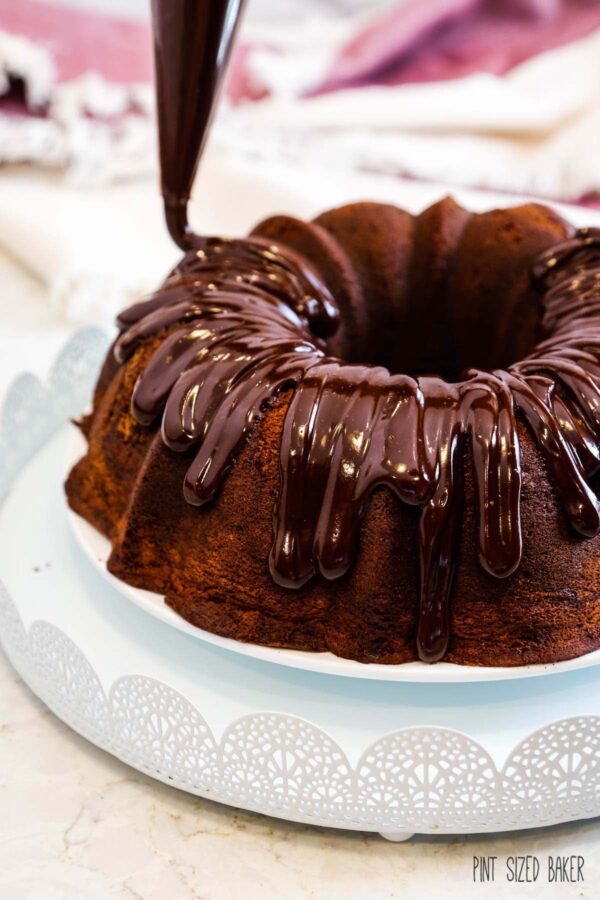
(353, 753)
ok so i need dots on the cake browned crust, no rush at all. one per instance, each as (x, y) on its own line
(470, 277)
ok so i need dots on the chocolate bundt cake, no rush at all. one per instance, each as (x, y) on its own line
(376, 434)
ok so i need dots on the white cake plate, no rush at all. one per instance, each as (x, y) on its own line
(351, 753)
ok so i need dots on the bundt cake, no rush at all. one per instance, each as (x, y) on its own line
(376, 434)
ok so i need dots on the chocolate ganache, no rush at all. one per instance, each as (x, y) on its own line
(250, 320)
(192, 41)
(252, 325)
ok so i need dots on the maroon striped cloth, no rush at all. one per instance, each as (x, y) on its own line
(414, 41)
(433, 40)
(78, 41)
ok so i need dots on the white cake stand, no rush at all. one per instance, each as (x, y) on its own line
(347, 752)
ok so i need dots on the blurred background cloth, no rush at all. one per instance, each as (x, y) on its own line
(502, 94)
(496, 94)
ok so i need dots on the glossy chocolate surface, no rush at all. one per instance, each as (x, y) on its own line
(192, 41)
(250, 322)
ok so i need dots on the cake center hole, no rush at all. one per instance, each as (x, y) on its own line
(445, 336)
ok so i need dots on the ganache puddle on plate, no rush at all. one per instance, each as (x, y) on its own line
(253, 321)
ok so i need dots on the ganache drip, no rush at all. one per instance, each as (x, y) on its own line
(251, 321)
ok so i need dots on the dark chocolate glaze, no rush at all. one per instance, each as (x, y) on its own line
(192, 40)
(247, 320)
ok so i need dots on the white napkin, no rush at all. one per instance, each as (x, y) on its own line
(97, 250)
(535, 130)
